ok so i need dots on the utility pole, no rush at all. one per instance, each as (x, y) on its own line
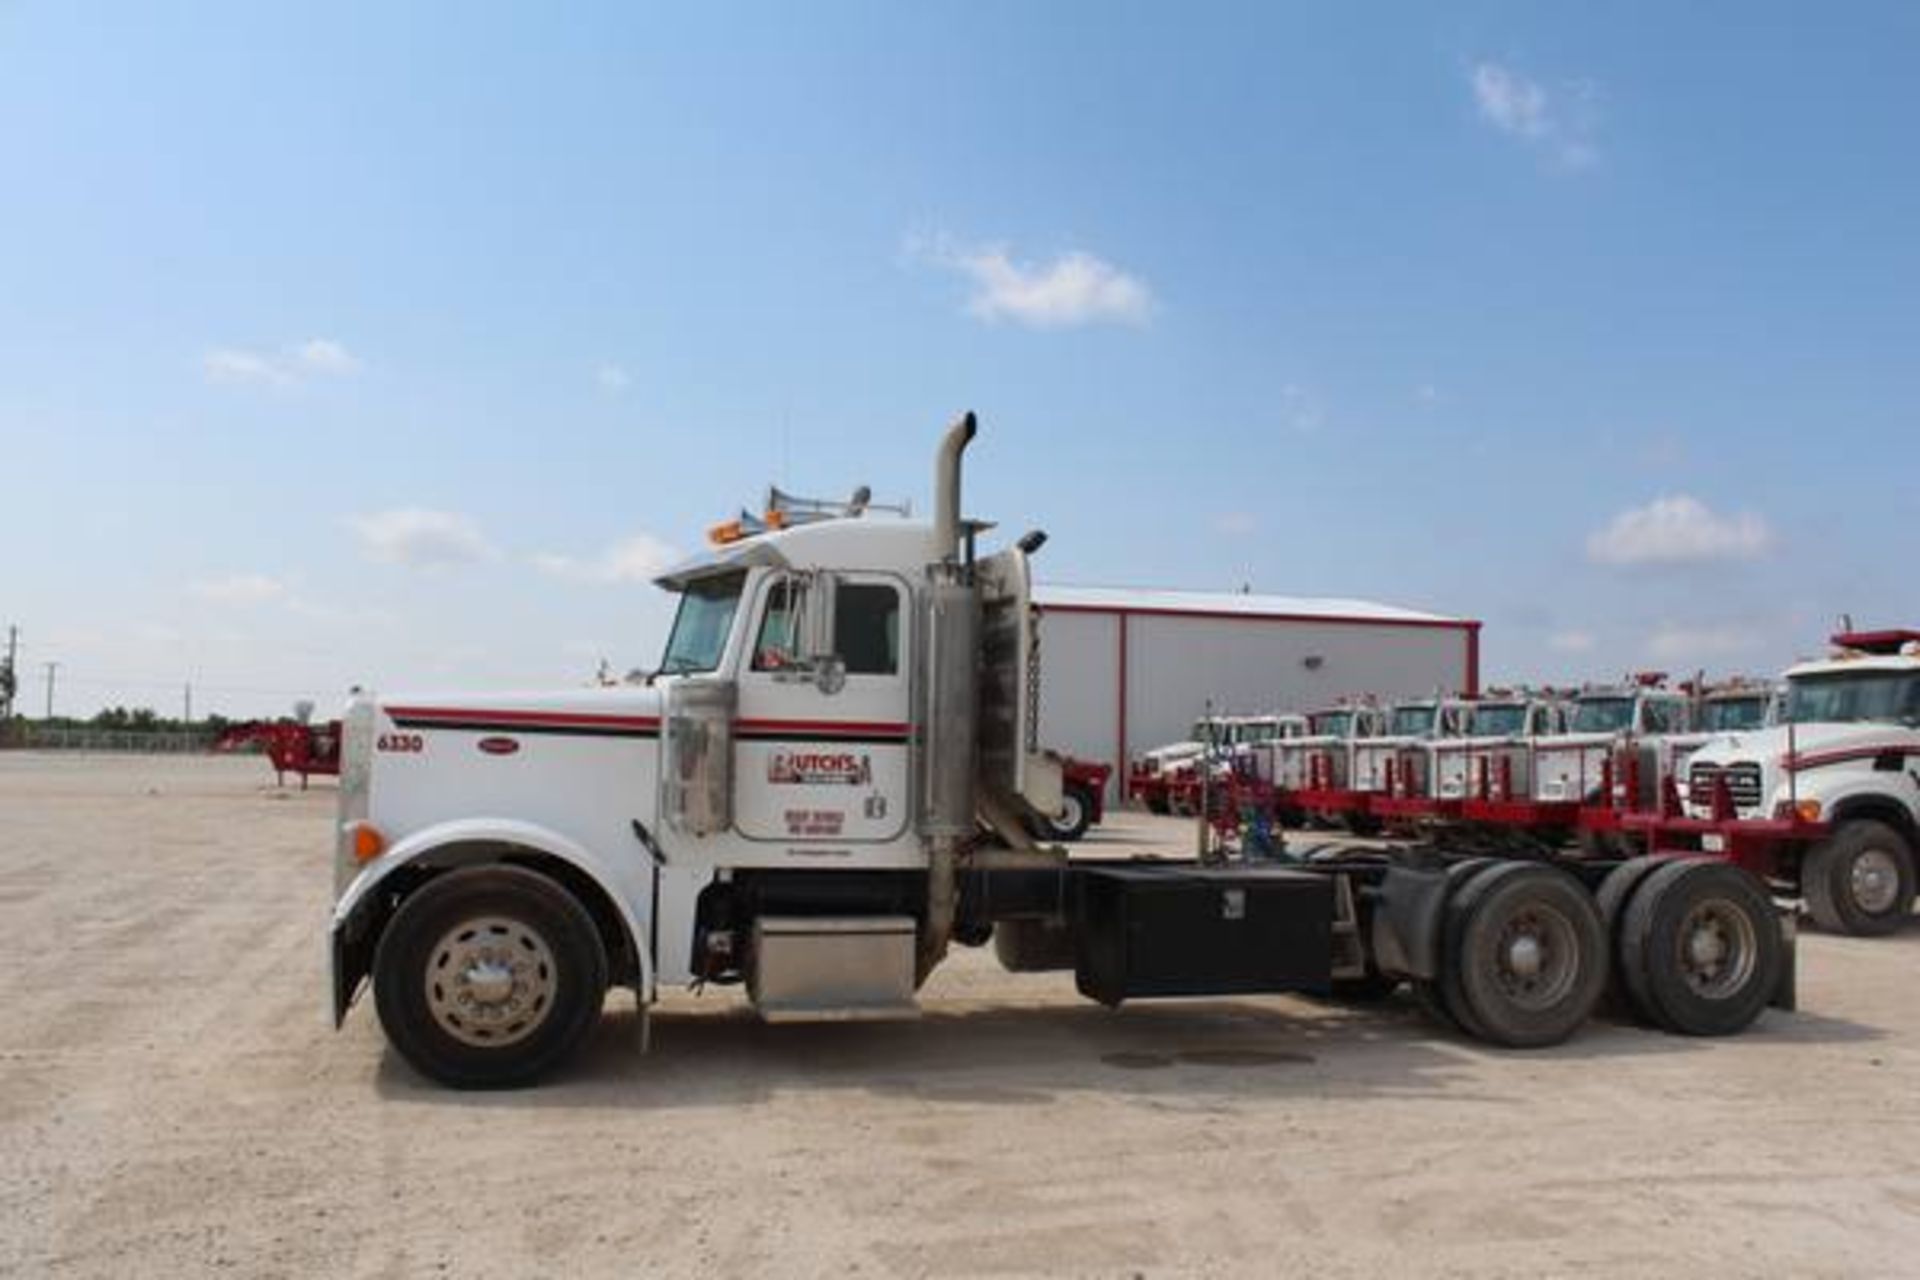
(51, 668)
(186, 718)
(8, 677)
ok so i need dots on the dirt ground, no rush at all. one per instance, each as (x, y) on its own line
(173, 1100)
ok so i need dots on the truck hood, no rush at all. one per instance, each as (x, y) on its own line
(1769, 746)
(616, 711)
(1575, 742)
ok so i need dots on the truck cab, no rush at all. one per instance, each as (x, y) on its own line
(1321, 758)
(1607, 725)
(1496, 753)
(1401, 760)
(1846, 754)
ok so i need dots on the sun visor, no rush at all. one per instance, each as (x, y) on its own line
(750, 554)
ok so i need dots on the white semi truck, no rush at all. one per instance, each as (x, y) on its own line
(1848, 757)
(828, 783)
(1496, 754)
(1641, 717)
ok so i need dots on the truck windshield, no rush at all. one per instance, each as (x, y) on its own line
(1498, 722)
(1412, 722)
(1602, 715)
(1731, 715)
(1259, 731)
(1889, 696)
(1333, 724)
(701, 627)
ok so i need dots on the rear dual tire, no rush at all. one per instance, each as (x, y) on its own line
(1524, 961)
(1699, 947)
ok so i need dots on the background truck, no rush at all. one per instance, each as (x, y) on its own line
(1606, 724)
(1847, 764)
(1166, 778)
(1400, 763)
(827, 785)
(1497, 751)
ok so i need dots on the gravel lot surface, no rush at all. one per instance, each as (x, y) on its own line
(174, 1101)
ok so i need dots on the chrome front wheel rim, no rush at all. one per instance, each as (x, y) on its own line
(490, 981)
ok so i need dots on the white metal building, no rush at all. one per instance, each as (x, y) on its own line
(1124, 670)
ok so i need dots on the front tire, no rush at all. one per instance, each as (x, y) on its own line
(1074, 818)
(489, 977)
(1860, 880)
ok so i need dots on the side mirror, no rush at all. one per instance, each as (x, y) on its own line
(816, 634)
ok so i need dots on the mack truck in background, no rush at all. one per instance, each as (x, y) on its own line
(1833, 792)
(828, 783)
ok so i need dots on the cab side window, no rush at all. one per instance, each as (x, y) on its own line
(1659, 717)
(866, 628)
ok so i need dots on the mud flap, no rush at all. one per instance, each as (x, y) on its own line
(1407, 922)
(1786, 996)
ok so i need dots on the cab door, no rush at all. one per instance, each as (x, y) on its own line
(822, 741)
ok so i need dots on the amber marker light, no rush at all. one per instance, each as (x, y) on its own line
(368, 843)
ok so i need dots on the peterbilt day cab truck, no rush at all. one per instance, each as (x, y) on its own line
(1497, 752)
(1640, 717)
(829, 782)
(1847, 759)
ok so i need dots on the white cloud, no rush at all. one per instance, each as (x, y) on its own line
(1235, 524)
(1561, 122)
(612, 379)
(1301, 410)
(1679, 529)
(291, 365)
(420, 538)
(1573, 641)
(640, 558)
(1073, 289)
(239, 588)
(1699, 644)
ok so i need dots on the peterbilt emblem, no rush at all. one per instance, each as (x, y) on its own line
(499, 746)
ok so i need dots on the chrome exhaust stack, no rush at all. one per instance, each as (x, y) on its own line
(949, 697)
(946, 487)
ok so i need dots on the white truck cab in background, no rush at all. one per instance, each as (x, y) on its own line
(1498, 745)
(1604, 724)
(1847, 754)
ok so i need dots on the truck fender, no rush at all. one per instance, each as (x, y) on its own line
(1408, 920)
(466, 841)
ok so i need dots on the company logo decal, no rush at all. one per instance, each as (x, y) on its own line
(819, 768)
(499, 746)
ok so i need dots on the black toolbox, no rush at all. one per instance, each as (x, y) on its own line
(1200, 931)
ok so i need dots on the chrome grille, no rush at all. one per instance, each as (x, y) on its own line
(1743, 784)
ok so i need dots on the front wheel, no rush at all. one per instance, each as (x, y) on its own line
(1860, 880)
(489, 977)
(1075, 816)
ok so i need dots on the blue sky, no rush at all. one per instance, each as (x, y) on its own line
(396, 344)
